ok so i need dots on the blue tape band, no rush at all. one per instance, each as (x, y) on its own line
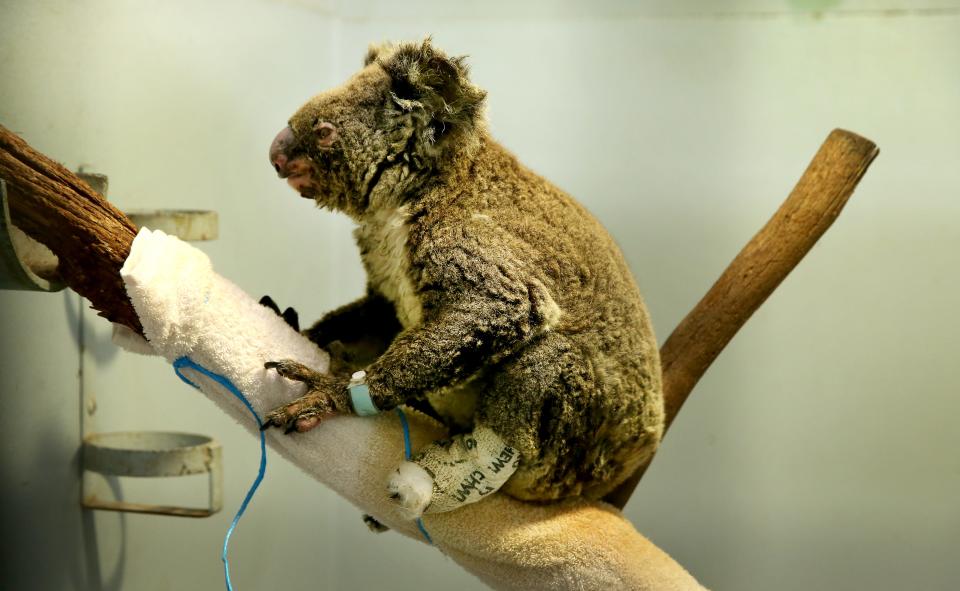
(360, 400)
(407, 453)
(186, 362)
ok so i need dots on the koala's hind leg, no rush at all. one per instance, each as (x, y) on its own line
(575, 414)
(454, 472)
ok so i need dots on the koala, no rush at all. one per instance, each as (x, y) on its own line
(495, 301)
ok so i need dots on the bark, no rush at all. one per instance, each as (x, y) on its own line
(90, 237)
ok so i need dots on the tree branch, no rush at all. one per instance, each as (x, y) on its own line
(90, 237)
(757, 270)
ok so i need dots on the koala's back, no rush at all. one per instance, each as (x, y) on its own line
(581, 399)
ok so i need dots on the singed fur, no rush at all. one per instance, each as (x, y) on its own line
(492, 293)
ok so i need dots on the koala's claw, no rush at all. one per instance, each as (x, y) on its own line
(325, 397)
(374, 525)
(289, 315)
(269, 303)
(296, 371)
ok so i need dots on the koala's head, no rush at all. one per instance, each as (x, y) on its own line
(408, 114)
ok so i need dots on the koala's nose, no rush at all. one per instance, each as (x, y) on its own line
(278, 151)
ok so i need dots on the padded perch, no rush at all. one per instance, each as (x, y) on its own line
(508, 544)
(188, 310)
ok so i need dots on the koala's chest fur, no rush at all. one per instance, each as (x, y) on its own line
(382, 238)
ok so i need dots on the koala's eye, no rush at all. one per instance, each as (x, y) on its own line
(326, 133)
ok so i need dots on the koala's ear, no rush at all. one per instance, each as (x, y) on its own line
(425, 77)
(375, 50)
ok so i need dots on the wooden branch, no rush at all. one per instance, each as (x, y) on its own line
(92, 240)
(757, 270)
(90, 237)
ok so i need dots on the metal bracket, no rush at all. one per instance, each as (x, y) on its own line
(193, 225)
(25, 264)
(152, 454)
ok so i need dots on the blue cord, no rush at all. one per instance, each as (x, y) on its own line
(407, 454)
(186, 362)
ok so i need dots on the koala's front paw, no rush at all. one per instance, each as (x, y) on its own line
(301, 415)
(325, 397)
(412, 488)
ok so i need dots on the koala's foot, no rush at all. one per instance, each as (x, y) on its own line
(289, 315)
(325, 397)
(449, 474)
(374, 525)
(412, 488)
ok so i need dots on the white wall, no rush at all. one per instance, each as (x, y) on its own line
(819, 452)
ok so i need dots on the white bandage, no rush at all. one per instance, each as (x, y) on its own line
(466, 468)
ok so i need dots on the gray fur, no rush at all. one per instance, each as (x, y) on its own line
(518, 309)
